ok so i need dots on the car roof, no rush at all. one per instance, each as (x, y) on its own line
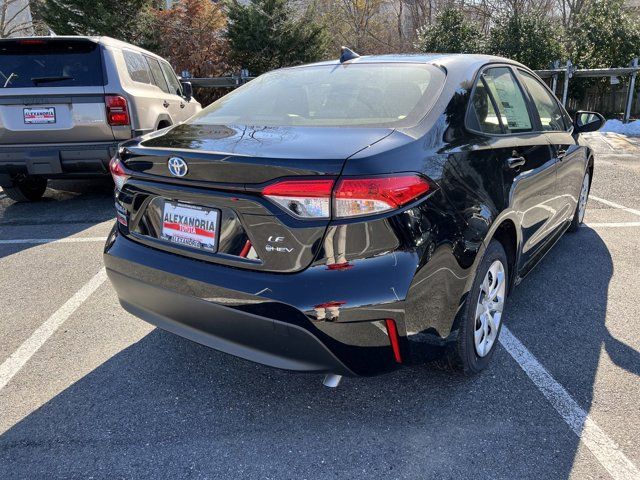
(461, 60)
(103, 40)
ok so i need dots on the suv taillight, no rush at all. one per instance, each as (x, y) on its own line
(352, 197)
(117, 110)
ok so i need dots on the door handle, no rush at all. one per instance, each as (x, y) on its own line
(515, 162)
(182, 104)
(165, 104)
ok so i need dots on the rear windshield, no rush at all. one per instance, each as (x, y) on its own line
(48, 63)
(373, 94)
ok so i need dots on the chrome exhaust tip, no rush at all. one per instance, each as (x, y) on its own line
(331, 380)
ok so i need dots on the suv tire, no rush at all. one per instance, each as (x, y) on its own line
(492, 277)
(26, 189)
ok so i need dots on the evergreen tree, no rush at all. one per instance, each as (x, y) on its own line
(450, 33)
(115, 18)
(264, 35)
(527, 38)
(604, 35)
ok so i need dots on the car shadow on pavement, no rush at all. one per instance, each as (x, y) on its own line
(69, 207)
(168, 408)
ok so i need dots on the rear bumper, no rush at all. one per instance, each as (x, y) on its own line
(263, 317)
(53, 160)
(246, 335)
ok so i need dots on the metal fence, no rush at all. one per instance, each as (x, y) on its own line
(569, 71)
(555, 75)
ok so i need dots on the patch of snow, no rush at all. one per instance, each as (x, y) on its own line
(631, 129)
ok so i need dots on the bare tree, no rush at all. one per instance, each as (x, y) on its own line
(15, 18)
(569, 9)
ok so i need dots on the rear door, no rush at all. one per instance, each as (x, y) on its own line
(501, 110)
(52, 91)
(570, 156)
(177, 104)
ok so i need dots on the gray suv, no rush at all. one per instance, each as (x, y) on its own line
(66, 103)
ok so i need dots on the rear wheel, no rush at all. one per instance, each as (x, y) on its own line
(480, 319)
(581, 208)
(26, 189)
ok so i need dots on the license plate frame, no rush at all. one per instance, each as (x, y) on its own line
(39, 115)
(192, 226)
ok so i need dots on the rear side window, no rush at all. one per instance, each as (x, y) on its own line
(156, 73)
(137, 67)
(482, 115)
(47, 63)
(174, 84)
(550, 113)
(505, 96)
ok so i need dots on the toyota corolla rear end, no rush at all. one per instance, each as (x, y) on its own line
(241, 231)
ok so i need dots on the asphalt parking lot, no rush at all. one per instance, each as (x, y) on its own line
(88, 391)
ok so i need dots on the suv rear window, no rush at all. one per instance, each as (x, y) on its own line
(373, 94)
(50, 63)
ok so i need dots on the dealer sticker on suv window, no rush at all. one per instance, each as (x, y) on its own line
(190, 225)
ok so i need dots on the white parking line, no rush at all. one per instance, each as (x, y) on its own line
(616, 205)
(604, 448)
(31, 345)
(612, 224)
(39, 241)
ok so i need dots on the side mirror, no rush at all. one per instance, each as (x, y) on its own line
(187, 90)
(588, 121)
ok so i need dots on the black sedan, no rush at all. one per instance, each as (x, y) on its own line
(350, 217)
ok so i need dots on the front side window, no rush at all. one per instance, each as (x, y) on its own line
(550, 113)
(508, 99)
(174, 84)
(137, 67)
(354, 95)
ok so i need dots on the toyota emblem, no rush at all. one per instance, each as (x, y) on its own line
(177, 166)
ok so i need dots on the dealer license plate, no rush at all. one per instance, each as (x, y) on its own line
(39, 115)
(190, 225)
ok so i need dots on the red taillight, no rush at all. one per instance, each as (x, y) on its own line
(302, 198)
(353, 197)
(117, 172)
(365, 196)
(392, 331)
(117, 110)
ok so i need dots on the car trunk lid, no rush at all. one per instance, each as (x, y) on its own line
(249, 155)
(227, 168)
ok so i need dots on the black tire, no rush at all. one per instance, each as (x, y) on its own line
(464, 356)
(578, 215)
(26, 189)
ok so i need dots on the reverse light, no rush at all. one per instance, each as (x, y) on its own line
(355, 197)
(302, 198)
(117, 172)
(117, 110)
